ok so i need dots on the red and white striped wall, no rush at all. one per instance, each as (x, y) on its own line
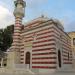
(44, 46)
(17, 39)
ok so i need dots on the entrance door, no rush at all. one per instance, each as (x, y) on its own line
(27, 60)
(59, 58)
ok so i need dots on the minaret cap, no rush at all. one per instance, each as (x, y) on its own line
(20, 2)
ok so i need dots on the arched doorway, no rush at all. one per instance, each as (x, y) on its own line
(27, 60)
(59, 58)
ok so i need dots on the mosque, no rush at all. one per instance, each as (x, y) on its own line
(40, 45)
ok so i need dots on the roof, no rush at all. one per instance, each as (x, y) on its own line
(29, 25)
(43, 19)
(71, 32)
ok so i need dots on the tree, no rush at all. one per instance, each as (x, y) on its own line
(1, 39)
(6, 37)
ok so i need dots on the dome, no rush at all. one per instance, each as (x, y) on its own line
(58, 23)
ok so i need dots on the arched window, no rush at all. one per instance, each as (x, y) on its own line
(27, 60)
(59, 58)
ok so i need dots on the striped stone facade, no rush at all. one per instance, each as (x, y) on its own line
(72, 36)
(44, 38)
(16, 38)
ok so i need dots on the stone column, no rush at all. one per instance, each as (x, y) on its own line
(1, 62)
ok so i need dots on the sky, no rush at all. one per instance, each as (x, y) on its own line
(63, 10)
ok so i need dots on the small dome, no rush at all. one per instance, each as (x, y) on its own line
(58, 23)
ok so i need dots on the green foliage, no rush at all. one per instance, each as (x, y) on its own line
(6, 37)
(1, 38)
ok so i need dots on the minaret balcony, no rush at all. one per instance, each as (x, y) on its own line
(19, 12)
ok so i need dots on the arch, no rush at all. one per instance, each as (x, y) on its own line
(27, 60)
(59, 58)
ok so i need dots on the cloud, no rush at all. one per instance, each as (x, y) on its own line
(35, 3)
(6, 17)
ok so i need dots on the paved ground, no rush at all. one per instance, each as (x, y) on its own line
(60, 73)
(28, 72)
(67, 72)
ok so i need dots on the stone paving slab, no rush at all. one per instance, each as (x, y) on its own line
(60, 73)
(29, 72)
(57, 73)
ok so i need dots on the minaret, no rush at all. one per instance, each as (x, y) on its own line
(19, 14)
